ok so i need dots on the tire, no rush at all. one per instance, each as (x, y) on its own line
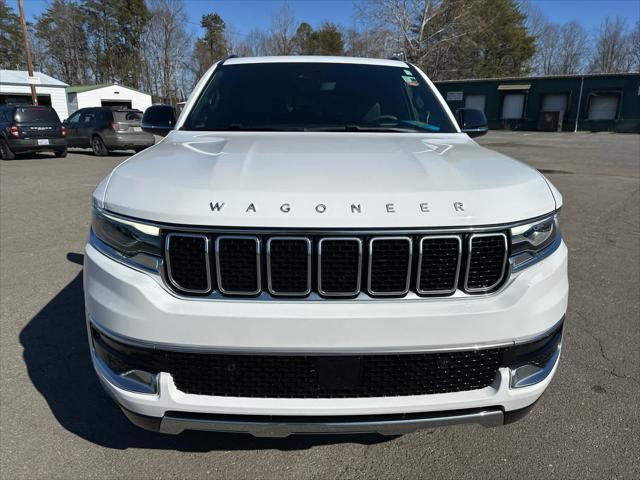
(60, 153)
(5, 151)
(97, 145)
(138, 150)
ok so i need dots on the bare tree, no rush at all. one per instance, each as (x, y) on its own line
(611, 52)
(281, 32)
(166, 43)
(573, 45)
(634, 46)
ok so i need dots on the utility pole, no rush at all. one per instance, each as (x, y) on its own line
(34, 97)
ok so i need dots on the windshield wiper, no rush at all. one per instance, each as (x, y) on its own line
(360, 128)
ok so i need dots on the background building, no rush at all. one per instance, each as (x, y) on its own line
(14, 88)
(597, 102)
(106, 95)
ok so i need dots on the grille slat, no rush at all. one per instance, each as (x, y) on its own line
(389, 265)
(289, 266)
(188, 263)
(486, 262)
(238, 262)
(439, 264)
(338, 266)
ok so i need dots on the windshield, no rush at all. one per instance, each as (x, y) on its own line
(316, 97)
(36, 115)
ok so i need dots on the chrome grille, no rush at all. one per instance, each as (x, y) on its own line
(289, 266)
(188, 263)
(487, 260)
(333, 266)
(389, 265)
(238, 262)
(439, 264)
(339, 266)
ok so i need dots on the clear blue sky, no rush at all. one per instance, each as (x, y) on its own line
(245, 15)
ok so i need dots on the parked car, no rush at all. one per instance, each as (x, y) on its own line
(324, 250)
(104, 129)
(29, 128)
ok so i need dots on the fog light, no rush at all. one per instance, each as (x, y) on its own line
(533, 362)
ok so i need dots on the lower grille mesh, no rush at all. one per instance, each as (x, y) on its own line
(272, 376)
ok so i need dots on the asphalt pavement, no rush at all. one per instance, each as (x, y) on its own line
(56, 422)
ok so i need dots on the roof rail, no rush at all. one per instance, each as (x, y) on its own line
(227, 58)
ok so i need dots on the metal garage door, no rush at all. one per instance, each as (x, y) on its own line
(603, 107)
(513, 106)
(554, 102)
(475, 101)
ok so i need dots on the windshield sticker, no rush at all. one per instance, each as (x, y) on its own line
(409, 80)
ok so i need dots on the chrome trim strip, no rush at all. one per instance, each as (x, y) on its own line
(124, 381)
(272, 291)
(409, 261)
(167, 244)
(311, 352)
(457, 275)
(258, 272)
(272, 427)
(527, 375)
(336, 231)
(359, 278)
(504, 261)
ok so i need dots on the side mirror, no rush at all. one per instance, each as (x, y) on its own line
(472, 121)
(159, 119)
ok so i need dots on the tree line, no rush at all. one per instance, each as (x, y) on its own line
(151, 44)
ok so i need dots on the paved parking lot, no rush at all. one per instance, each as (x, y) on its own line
(56, 421)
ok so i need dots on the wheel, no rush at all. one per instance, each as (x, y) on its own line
(60, 153)
(97, 145)
(5, 151)
(138, 150)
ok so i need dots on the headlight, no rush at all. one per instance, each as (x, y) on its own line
(128, 241)
(534, 241)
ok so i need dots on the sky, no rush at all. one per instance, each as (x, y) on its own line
(245, 15)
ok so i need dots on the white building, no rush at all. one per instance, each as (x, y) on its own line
(106, 95)
(14, 88)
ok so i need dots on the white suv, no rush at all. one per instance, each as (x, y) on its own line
(318, 247)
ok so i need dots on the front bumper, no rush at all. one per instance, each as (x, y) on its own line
(134, 307)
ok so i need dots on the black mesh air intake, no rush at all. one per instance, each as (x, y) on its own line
(439, 263)
(389, 265)
(289, 266)
(487, 261)
(188, 262)
(238, 265)
(340, 266)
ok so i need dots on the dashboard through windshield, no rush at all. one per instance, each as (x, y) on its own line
(317, 97)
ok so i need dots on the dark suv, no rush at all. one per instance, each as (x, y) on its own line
(28, 128)
(104, 129)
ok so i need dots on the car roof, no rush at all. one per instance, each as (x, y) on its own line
(315, 59)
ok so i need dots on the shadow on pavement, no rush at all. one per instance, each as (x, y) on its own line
(56, 354)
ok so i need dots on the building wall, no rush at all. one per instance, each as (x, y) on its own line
(93, 98)
(625, 86)
(57, 95)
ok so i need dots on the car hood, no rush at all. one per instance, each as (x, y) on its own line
(324, 179)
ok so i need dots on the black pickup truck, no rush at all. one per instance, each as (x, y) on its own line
(28, 128)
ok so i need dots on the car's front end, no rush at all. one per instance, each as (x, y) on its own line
(263, 282)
